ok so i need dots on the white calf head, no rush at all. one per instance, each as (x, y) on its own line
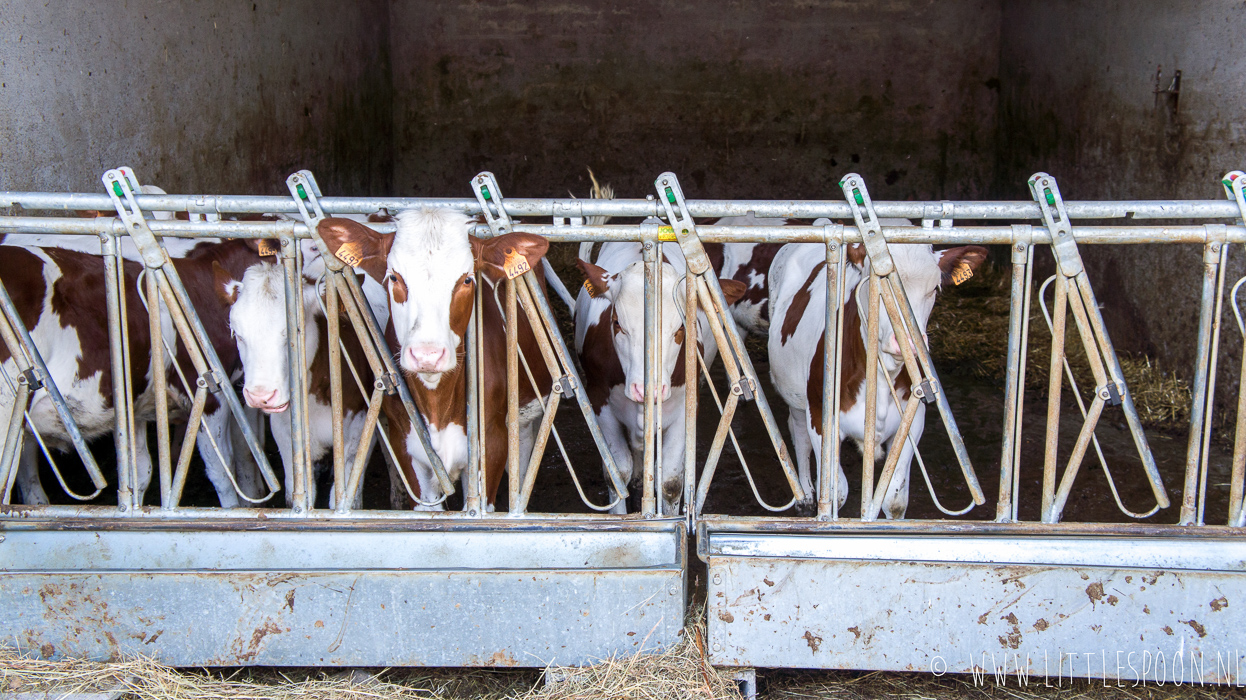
(429, 268)
(922, 271)
(625, 290)
(257, 319)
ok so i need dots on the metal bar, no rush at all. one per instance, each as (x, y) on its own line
(481, 462)
(692, 384)
(1194, 453)
(1211, 381)
(1014, 388)
(350, 491)
(472, 489)
(871, 394)
(188, 444)
(301, 488)
(1054, 384)
(334, 332)
(1075, 460)
(160, 384)
(512, 398)
(832, 379)
(659, 371)
(716, 446)
(533, 207)
(893, 458)
(534, 462)
(652, 261)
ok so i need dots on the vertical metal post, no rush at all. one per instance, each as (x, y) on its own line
(334, 333)
(299, 491)
(871, 394)
(9, 460)
(513, 476)
(1195, 487)
(1014, 388)
(692, 386)
(652, 261)
(832, 360)
(472, 490)
(120, 377)
(1054, 384)
(160, 381)
(482, 462)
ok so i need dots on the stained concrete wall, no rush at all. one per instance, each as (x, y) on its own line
(741, 99)
(197, 97)
(1079, 101)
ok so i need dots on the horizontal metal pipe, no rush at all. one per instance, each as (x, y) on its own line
(959, 235)
(519, 207)
(15, 516)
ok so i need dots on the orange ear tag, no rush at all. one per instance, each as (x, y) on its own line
(592, 291)
(515, 264)
(350, 254)
(962, 273)
(267, 247)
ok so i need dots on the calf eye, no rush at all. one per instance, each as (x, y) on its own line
(392, 277)
(617, 327)
(468, 281)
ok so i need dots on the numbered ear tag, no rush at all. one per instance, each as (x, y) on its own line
(515, 264)
(962, 273)
(350, 254)
(267, 247)
(592, 291)
(666, 234)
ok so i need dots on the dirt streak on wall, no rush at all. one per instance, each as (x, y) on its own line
(196, 97)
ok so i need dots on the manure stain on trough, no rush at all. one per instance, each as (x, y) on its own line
(1041, 625)
(1095, 592)
(1194, 625)
(1219, 604)
(726, 616)
(813, 640)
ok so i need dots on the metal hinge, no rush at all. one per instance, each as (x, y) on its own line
(31, 377)
(489, 195)
(926, 390)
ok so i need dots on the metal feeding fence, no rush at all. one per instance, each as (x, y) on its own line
(303, 585)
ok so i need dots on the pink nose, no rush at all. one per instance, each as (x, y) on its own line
(637, 392)
(427, 358)
(261, 397)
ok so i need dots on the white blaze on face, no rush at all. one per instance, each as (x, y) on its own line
(430, 258)
(627, 292)
(258, 322)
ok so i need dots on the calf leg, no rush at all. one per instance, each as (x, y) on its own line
(28, 474)
(815, 444)
(215, 429)
(672, 476)
(797, 419)
(142, 460)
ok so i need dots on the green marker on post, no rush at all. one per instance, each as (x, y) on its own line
(116, 188)
(856, 194)
(670, 195)
(1051, 198)
(484, 190)
(302, 192)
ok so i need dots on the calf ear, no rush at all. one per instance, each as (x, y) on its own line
(733, 290)
(492, 253)
(958, 264)
(226, 286)
(856, 254)
(596, 279)
(357, 245)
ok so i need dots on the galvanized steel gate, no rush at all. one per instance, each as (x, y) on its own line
(302, 586)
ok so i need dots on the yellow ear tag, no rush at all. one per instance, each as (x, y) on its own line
(268, 247)
(962, 273)
(515, 264)
(350, 254)
(592, 291)
(666, 234)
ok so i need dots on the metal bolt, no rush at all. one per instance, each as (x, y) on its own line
(718, 579)
(1020, 247)
(718, 646)
(472, 512)
(673, 590)
(121, 507)
(298, 509)
(1, 538)
(649, 197)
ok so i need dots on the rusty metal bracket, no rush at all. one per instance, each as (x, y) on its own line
(1073, 291)
(916, 356)
(740, 373)
(489, 195)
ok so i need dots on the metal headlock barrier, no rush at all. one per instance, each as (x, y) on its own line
(307, 585)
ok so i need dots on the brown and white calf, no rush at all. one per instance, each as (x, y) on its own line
(257, 317)
(58, 294)
(749, 264)
(610, 340)
(798, 300)
(430, 268)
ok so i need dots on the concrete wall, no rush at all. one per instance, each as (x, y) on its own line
(741, 99)
(1078, 100)
(197, 97)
